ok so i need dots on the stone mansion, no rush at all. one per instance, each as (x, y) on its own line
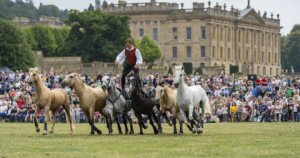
(246, 40)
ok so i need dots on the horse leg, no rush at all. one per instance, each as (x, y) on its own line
(53, 121)
(152, 124)
(181, 127)
(47, 118)
(201, 120)
(157, 120)
(186, 121)
(130, 122)
(69, 118)
(167, 119)
(125, 122)
(37, 129)
(91, 116)
(140, 120)
(118, 123)
(174, 125)
(90, 122)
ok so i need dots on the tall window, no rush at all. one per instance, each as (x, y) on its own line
(240, 36)
(189, 33)
(269, 40)
(221, 53)
(214, 52)
(269, 57)
(203, 33)
(263, 39)
(228, 54)
(174, 30)
(155, 34)
(275, 57)
(202, 51)
(262, 56)
(229, 34)
(240, 55)
(221, 34)
(175, 53)
(141, 32)
(189, 52)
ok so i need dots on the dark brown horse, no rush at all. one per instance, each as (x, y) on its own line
(142, 104)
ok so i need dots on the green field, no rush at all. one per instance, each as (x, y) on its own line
(218, 140)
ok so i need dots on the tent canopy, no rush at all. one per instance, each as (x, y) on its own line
(6, 69)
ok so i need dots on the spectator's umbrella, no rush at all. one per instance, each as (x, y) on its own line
(6, 69)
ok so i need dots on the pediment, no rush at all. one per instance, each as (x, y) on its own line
(250, 15)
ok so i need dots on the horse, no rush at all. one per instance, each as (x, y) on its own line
(50, 101)
(189, 99)
(142, 104)
(166, 97)
(116, 103)
(90, 100)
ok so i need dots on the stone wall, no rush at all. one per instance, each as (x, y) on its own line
(74, 64)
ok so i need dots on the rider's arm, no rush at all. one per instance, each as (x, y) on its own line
(121, 57)
(139, 59)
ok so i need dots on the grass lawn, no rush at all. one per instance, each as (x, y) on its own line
(218, 140)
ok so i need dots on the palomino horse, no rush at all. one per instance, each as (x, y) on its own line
(49, 100)
(116, 103)
(166, 97)
(90, 99)
(142, 104)
(188, 99)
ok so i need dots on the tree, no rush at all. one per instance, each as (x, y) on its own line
(45, 39)
(96, 36)
(60, 36)
(149, 49)
(91, 7)
(15, 52)
(291, 49)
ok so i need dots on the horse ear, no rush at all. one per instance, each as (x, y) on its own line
(182, 68)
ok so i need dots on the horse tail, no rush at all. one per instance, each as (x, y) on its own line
(207, 106)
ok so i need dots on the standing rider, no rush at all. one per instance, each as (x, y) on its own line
(132, 58)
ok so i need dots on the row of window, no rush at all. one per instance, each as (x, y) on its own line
(188, 52)
(174, 31)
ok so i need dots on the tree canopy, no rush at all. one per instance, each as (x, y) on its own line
(149, 49)
(19, 8)
(15, 52)
(96, 36)
(290, 49)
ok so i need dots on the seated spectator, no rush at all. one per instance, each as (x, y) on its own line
(233, 111)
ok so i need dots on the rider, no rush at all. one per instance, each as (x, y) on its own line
(132, 58)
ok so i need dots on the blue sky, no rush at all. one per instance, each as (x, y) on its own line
(288, 9)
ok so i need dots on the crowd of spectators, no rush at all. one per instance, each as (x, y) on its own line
(232, 99)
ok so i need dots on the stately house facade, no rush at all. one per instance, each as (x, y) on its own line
(239, 40)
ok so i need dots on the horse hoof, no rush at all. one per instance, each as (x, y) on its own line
(181, 133)
(37, 130)
(120, 132)
(51, 132)
(131, 132)
(175, 132)
(141, 133)
(145, 126)
(45, 133)
(99, 132)
(194, 131)
(199, 131)
(92, 133)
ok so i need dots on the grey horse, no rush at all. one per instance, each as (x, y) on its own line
(116, 104)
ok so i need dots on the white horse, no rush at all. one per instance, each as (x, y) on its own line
(116, 104)
(189, 99)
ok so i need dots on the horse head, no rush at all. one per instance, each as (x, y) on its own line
(71, 79)
(34, 74)
(159, 92)
(179, 74)
(109, 82)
